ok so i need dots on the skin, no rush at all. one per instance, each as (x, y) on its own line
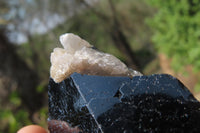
(53, 125)
(32, 129)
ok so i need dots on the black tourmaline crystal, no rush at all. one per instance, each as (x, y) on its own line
(156, 103)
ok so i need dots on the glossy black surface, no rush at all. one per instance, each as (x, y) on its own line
(156, 103)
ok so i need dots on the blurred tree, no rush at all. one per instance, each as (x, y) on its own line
(18, 72)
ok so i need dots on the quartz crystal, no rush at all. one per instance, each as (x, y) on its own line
(81, 57)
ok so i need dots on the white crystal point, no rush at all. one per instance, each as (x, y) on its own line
(72, 43)
(79, 56)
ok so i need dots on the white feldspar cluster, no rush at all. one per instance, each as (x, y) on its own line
(79, 56)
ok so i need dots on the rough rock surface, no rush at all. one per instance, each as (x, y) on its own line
(79, 56)
(155, 103)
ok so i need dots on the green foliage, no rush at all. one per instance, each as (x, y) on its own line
(177, 31)
(176, 27)
(14, 116)
(15, 99)
(40, 89)
(14, 120)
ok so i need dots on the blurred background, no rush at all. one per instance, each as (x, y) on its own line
(151, 36)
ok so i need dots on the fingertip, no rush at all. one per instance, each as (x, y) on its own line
(32, 129)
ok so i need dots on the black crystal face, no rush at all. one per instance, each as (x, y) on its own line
(156, 103)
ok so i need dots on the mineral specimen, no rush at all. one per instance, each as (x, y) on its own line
(156, 103)
(91, 91)
(79, 56)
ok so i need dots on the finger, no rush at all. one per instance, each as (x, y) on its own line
(32, 129)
